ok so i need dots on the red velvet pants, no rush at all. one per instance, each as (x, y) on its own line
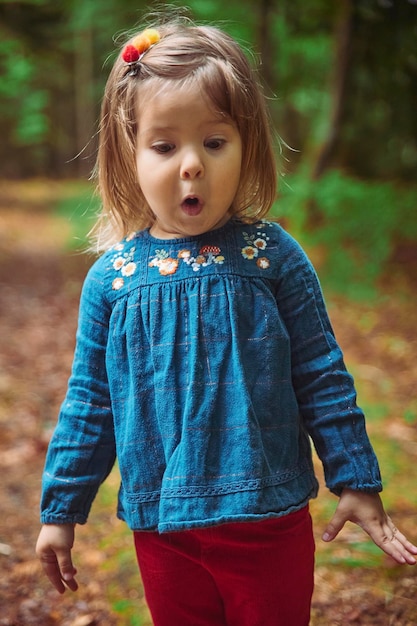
(239, 574)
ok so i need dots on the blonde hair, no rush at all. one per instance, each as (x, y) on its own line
(185, 53)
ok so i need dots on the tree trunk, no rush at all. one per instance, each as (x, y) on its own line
(84, 106)
(266, 48)
(342, 66)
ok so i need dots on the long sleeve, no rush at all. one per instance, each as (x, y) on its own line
(324, 389)
(82, 449)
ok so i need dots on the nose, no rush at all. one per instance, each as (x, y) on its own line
(192, 164)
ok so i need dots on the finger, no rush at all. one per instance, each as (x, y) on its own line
(410, 547)
(70, 581)
(51, 568)
(67, 569)
(60, 572)
(398, 545)
(393, 543)
(333, 528)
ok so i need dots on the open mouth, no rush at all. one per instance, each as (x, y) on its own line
(192, 205)
(191, 201)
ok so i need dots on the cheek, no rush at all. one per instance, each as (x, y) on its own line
(233, 174)
(144, 172)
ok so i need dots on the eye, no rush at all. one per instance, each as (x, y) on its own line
(163, 148)
(215, 143)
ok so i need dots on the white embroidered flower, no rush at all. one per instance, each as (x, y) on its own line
(249, 252)
(184, 254)
(129, 269)
(118, 263)
(260, 243)
(118, 283)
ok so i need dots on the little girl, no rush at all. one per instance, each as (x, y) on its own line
(205, 359)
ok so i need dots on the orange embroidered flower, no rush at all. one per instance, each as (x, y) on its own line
(263, 263)
(168, 266)
(249, 252)
(184, 254)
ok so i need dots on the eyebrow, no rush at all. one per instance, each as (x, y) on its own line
(169, 128)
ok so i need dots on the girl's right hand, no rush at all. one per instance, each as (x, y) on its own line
(53, 548)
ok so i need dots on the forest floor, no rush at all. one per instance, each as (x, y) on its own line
(40, 282)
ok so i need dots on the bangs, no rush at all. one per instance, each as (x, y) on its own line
(212, 78)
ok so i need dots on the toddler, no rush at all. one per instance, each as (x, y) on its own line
(205, 359)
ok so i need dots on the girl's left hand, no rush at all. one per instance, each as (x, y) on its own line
(367, 510)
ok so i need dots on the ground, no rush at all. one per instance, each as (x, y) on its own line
(40, 283)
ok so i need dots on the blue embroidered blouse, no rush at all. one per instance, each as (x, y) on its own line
(205, 365)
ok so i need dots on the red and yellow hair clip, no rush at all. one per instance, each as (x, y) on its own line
(134, 51)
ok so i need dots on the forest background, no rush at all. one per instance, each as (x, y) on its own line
(341, 81)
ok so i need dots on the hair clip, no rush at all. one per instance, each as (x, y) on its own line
(134, 51)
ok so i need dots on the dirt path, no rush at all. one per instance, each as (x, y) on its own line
(38, 306)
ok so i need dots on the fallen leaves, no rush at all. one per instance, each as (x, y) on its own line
(38, 309)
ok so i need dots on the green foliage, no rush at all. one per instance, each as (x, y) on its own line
(55, 57)
(351, 555)
(410, 414)
(80, 208)
(22, 103)
(357, 223)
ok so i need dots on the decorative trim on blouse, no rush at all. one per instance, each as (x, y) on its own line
(122, 262)
(168, 265)
(255, 243)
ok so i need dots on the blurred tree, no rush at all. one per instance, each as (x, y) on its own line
(343, 75)
(342, 67)
(379, 136)
(24, 35)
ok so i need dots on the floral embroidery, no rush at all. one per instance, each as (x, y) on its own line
(117, 283)
(129, 269)
(118, 263)
(254, 243)
(122, 261)
(249, 252)
(167, 265)
(263, 263)
(206, 256)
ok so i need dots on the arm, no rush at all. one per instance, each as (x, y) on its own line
(327, 402)
(324, 389)
(54, 551)
(366, 510)
(81, 452)
(82, 449)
